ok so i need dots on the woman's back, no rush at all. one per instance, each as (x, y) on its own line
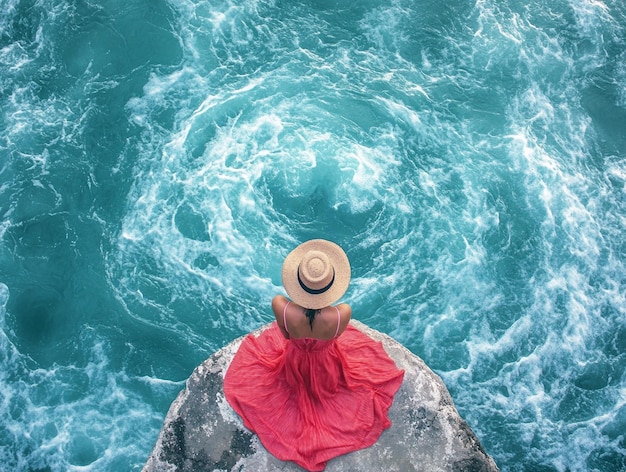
(328, 323)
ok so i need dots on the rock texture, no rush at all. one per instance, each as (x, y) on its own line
(202, 433)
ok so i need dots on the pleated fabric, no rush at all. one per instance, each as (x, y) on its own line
(310, 400)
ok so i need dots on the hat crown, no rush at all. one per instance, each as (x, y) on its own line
(316, 270)
(316, 273)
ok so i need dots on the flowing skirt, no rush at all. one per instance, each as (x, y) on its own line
(310, 400)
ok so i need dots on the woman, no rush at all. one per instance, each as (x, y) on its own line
(312, 387)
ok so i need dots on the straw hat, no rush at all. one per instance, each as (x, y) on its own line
(316, 274)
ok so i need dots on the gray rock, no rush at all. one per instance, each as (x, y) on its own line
(203, 433)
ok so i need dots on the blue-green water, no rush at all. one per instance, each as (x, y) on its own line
(160, 158)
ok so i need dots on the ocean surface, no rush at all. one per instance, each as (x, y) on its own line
(158, 160)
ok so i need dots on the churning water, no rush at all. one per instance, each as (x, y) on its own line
(159, 158)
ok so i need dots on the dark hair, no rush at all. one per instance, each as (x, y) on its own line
(310, 314)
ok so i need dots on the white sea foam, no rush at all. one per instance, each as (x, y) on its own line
(73, 417)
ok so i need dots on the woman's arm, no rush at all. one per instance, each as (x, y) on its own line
(278, 305)
(345, 313)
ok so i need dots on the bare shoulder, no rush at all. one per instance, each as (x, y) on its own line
(345, 310)
(278, 303)
(345, 313)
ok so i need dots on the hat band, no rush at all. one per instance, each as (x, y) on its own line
(313, 291)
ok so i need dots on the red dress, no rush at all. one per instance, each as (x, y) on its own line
(310, 400)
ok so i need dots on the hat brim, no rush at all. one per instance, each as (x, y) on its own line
(341, 266)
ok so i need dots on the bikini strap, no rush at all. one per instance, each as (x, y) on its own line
(285, 317)
(338, 321)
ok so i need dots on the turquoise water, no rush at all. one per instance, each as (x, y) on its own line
(160, 158)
